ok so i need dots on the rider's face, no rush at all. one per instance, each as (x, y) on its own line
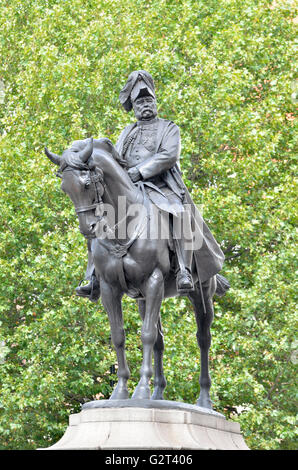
(145, 108)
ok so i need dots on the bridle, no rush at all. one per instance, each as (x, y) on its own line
(116, 249)
(95, 177)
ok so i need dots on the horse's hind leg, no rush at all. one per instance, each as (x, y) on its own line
(111, 299)
(204, 321)
(158, 349)
(159, 378)
(154, 291)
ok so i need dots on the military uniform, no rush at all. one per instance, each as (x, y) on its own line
(152, 148)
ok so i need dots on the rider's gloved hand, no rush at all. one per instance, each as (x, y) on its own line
(134, 174)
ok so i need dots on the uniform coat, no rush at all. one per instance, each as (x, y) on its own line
(161, 167)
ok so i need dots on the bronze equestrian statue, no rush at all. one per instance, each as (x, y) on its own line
(142, 169)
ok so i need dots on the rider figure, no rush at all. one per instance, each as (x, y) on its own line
(151, 149)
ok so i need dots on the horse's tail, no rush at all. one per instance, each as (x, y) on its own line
(223, 285)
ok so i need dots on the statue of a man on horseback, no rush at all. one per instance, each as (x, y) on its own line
(142, 168)
(151, 149)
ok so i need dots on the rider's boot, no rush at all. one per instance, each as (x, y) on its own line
(91, 290)
(184, 279)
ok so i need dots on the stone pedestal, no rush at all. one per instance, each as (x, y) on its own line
(149, 424)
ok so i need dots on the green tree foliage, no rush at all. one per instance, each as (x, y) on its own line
(224, 73)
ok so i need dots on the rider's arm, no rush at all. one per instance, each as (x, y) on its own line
(167, 156)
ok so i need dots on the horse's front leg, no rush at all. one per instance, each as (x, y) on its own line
(204, 321)
(111, 298)
(154, 290)
(158, 349)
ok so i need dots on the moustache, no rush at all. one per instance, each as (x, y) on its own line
(147, 108)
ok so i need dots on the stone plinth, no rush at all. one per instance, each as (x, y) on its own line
(149, 424)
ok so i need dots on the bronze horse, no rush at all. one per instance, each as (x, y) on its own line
(92, 175)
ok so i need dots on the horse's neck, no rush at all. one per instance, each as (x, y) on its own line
(119, 189)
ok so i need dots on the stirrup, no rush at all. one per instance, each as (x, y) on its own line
(83, 291)
(91, 291)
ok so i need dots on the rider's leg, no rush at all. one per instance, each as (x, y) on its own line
(92, 289)
(183, 243)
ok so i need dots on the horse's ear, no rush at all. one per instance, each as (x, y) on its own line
(86, 153)
(53, 157)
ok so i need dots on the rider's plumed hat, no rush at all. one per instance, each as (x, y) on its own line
(139, 83)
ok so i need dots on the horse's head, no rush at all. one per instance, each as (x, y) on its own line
(82, 181)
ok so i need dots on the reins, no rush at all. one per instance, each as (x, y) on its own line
(117, 249)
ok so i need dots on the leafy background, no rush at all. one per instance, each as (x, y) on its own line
(224, 72)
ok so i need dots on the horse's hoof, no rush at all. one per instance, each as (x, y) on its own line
(157, 395)
(119, 395)
(141, 393)
(205, 403)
